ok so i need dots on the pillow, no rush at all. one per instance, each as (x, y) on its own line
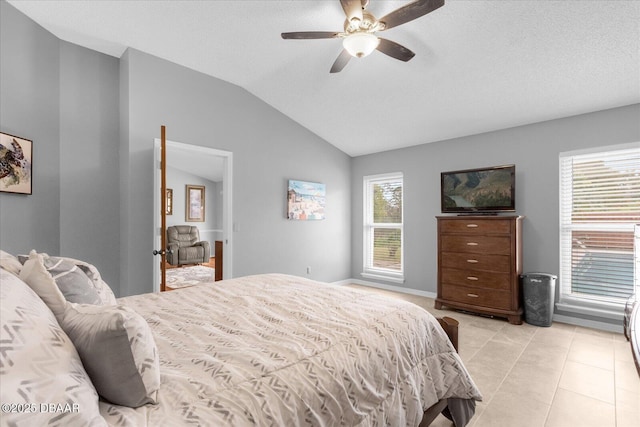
(39, 364)
(102, 289)
(10, 263)
(118, 351)
(72, 281)
(114, 342)
(35, 274)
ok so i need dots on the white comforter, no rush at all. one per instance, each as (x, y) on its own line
(277, 350)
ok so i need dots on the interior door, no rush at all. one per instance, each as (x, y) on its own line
(164, 153)
(162, 252)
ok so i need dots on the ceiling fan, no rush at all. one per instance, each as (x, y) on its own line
(359, 37)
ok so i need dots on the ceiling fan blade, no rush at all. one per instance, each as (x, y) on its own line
(409, 12)
(352, 8)
(341, 61)
(395, 50)
(306, 35)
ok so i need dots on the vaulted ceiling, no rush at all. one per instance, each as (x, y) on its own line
(479, 65)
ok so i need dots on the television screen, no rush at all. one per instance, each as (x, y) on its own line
(489, 189)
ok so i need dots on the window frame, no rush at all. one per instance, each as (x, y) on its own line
(368, 270)
(603, 307)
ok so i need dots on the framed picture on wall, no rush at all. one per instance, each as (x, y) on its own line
(305, 200)
(169, 203)
(16, 162)
(195, 203)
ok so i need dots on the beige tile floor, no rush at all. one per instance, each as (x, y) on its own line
(560, 376)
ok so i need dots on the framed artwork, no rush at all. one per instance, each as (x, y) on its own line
(305, 200)
(195, 203)
(16, 162)
(169, 203)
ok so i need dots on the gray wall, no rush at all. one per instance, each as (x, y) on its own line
(29, 108)
(268, 149)
(89, 170)
(65, 99)
(533, 149)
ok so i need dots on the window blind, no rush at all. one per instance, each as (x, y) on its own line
(383, 224)
(599, 205)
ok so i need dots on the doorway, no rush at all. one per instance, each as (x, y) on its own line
(211, 164)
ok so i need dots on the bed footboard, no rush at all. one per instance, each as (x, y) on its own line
(450, 326)
(432, 413)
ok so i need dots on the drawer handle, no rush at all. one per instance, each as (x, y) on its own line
(472, 261)
(472, 295)
(472, 278)
(472, 225)
(472, 244)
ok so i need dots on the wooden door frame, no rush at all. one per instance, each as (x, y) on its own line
(163, 209)
(227, 201)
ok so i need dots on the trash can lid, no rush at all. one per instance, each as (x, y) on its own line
(545, 275)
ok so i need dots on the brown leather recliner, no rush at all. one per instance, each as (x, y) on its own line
(184, 246)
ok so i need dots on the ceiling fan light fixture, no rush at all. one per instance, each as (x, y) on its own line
(360, 44)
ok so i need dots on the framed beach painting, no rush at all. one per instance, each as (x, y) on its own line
(305, 200)
(195, 203)
(16, 162)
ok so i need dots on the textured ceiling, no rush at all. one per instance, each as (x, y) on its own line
(479, 65)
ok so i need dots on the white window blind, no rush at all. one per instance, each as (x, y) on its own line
(599, 205)
(383, 236)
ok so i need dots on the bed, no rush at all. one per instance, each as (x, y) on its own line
(267, 350)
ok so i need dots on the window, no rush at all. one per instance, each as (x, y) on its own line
(599, 205)
(383, 234)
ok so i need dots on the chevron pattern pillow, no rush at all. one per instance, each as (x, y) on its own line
(39, 365)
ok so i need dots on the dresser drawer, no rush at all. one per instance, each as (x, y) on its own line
(480, 279)
(472, 261)
(495, 245)
(478, 297)
(476, 226)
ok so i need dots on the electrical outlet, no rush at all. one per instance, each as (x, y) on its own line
(308, 270)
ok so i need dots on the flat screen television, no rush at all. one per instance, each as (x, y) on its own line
(481, 190)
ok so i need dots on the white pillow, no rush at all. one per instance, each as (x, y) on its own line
(39, 364)
(118, 351)
(35, 274)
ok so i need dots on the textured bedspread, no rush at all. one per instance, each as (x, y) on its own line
(277, 350)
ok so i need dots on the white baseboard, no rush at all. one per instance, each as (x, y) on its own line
(593, 324)
(387, 287)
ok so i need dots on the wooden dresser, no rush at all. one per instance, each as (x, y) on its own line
(479, 265)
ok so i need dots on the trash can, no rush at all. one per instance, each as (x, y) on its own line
(539, 290)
